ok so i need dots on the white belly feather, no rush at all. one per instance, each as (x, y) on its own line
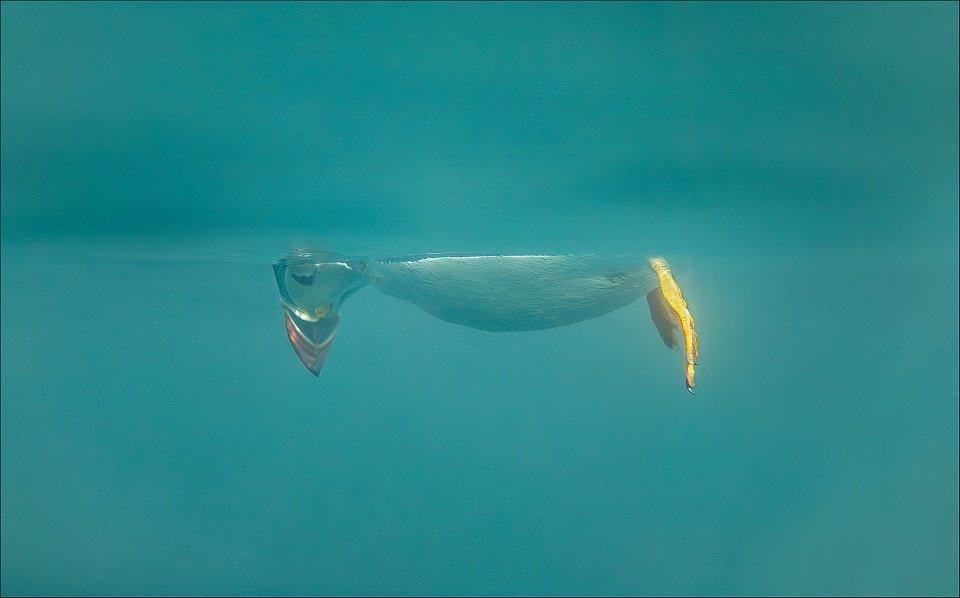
(514, 292)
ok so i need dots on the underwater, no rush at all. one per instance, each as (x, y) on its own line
(479, 298)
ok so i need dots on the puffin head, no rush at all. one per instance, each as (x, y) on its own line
(311, 293)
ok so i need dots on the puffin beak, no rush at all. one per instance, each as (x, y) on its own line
(310, 337)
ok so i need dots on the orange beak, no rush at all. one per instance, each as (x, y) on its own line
(310, 339)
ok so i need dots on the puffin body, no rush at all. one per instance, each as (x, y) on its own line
(513, 292)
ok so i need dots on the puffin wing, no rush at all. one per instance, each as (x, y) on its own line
(513, 292)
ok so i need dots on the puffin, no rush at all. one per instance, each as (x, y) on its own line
(496, 293)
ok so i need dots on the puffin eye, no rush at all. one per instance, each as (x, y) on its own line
(305, 280)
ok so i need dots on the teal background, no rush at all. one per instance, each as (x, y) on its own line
(160, 436)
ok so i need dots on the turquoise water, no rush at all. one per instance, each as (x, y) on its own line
(159, 435)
